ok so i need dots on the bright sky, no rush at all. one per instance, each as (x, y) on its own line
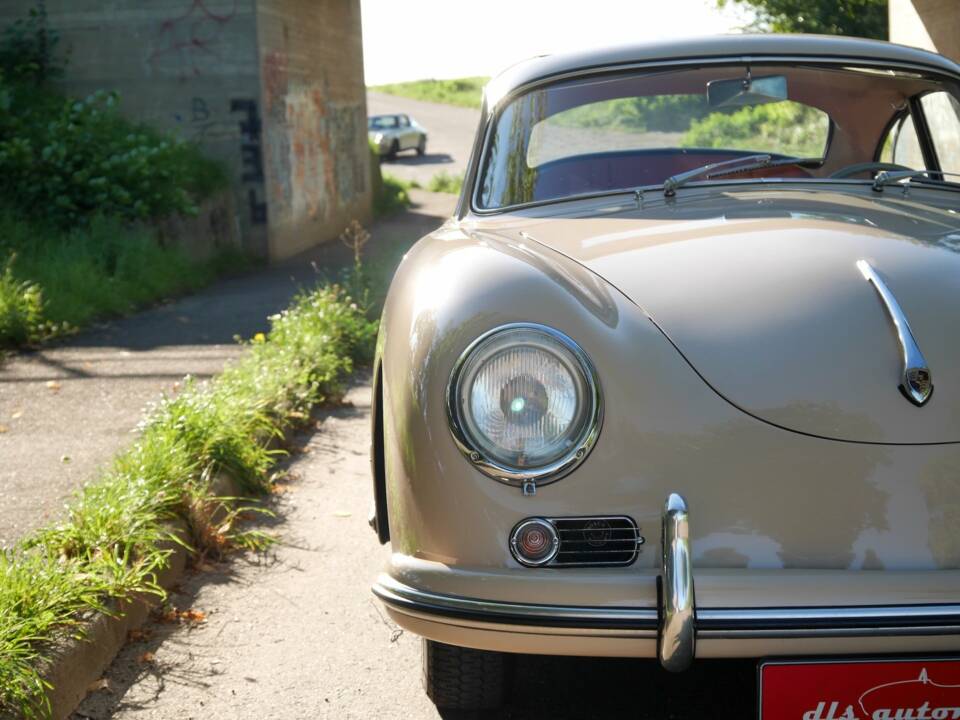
(416, 39)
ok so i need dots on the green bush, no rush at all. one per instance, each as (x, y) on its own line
(21, 310)
(663, 113)
(785, 127)
(28, 49)
(65, 160)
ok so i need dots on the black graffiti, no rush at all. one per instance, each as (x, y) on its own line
(251, 156)
(258, 208)
(251, 126)
(199, 110)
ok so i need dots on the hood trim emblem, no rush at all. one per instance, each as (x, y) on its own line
(916, 380)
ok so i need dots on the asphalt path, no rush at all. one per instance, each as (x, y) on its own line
(296, 633)
(450, 132)
(66, 409)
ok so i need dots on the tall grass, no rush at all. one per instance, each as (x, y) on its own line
(53, 281)
(111, 544)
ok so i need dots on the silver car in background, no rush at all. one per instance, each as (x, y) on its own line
(393, 133)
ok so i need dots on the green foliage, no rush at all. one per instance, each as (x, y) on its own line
(115, 537)
(57, 280)
(392, 196)
(465, 92)
(859, 18)
(28, 49)
(446, 183)
(389, 193)
(21, 310)
(65, 160)
(657, 113)
(786, 127)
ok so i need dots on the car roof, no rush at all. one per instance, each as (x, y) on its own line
(737, 47)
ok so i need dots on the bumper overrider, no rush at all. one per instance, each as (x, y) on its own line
(676, 625)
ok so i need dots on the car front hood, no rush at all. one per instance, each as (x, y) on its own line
(761, 293)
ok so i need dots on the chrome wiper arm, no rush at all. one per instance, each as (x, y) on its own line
(673, 182)
(888, 177)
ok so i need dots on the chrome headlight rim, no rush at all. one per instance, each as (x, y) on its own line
(544, 474)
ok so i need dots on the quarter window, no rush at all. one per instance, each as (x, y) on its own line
(942, 112)
(902, 145)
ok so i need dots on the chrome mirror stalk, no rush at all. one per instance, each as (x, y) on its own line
(677, 637)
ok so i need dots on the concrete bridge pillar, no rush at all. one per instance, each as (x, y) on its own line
(272, 88)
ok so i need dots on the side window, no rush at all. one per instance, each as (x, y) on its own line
(404, 121)
(942, 112)
(902, 145)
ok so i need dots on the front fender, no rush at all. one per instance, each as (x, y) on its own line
(453, 287)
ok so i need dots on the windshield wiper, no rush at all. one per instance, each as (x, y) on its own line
(749, 162)
(888, 177)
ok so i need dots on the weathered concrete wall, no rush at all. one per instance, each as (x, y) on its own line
(316, 160)
(929, 24)
(181, 65)
(272, 88)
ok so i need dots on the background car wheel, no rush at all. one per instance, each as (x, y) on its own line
(458, 678)
(422, 145)
(394, 149)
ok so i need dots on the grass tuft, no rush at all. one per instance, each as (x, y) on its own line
(465, 92)
(446, 183)
(115, 537)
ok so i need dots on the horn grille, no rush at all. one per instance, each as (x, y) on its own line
(596, 541)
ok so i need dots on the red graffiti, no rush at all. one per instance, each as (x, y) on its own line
(187, 40)
(275, 79)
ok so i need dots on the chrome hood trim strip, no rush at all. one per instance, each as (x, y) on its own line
(916, 382)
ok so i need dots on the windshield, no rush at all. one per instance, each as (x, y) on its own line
(382, 122)
(634, 130)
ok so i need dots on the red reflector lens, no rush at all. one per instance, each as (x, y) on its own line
(534, 542)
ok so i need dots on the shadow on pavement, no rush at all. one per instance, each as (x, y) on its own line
(425, 159)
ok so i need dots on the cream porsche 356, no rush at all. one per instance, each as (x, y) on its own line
(681, 377)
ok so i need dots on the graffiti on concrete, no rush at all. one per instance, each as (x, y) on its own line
(190, 41)
(251, 157)
(199, 112)
(202, 121)
(275, 79)
(315, 148)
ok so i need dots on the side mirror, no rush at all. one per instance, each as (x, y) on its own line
(747, 91)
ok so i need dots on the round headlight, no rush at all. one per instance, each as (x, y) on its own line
(525, 403)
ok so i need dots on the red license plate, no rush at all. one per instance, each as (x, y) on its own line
(860, 690)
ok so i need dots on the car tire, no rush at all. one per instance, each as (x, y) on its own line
(394, 149)
(459, 678)
(422, 146)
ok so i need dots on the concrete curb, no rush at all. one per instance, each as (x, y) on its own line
(75, 664)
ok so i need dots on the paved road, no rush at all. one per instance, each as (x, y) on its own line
(450, 132)
(66, 410)
(297, 634)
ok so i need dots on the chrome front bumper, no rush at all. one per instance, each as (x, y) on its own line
(677, 624)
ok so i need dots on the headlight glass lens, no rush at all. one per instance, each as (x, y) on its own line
(525, 398)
